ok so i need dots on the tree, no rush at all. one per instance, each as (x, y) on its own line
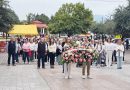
(7, 16)
(122, 20)
(107, 27)
(4, 3)
(14, 18)
(30, 17)
(71, 19)
(42, 17)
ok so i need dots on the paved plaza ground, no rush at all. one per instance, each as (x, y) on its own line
(28, 77)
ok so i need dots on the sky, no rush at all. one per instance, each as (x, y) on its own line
(100, 8)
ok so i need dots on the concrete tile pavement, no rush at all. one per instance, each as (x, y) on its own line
(3, 58)
(127, 56)
(27, 77)
(21, 77)
(103, 79)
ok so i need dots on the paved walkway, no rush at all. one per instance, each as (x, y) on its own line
(27, 77)
(21, 77)
(127, 56)
(103, 79)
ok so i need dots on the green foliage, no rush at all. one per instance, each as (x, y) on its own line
(122, 20)
(71, 19)
(4, 3)
(13, 17)
(7, 16)
(107, 27)
(42, 17)
(30, 17)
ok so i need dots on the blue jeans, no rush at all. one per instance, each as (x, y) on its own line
(25, 55)
(119, 61)
(59, 59)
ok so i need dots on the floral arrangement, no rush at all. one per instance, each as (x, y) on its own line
(79, 55)
(82, 55)
(68, 57)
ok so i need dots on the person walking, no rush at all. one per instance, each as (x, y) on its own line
(119, 54)
(52, 52)
(26, 49)
(41, 52)
(114, 59)
(32, 47)
(59, 52)
(67, 66)
(99, 50)
(93, 44)
(63, 44)
(47, 53)
(88, 65)
(11, 47)
(18, 48)
(109, 48)
(35, 49)
(103, 55)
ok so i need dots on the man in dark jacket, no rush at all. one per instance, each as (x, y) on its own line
(41, 51)
(11, 51)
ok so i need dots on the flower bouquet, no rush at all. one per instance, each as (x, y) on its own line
(68, 57)
(82, 56)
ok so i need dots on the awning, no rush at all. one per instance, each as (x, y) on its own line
(24, 30)
(39, 24)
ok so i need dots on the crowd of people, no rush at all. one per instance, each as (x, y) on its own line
(51, 49)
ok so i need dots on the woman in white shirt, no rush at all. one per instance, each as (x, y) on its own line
(18, 48)
(109, 48)
(52, 50)
(67, 66)
(119, 53)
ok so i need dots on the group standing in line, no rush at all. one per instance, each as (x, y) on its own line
(44, 50)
